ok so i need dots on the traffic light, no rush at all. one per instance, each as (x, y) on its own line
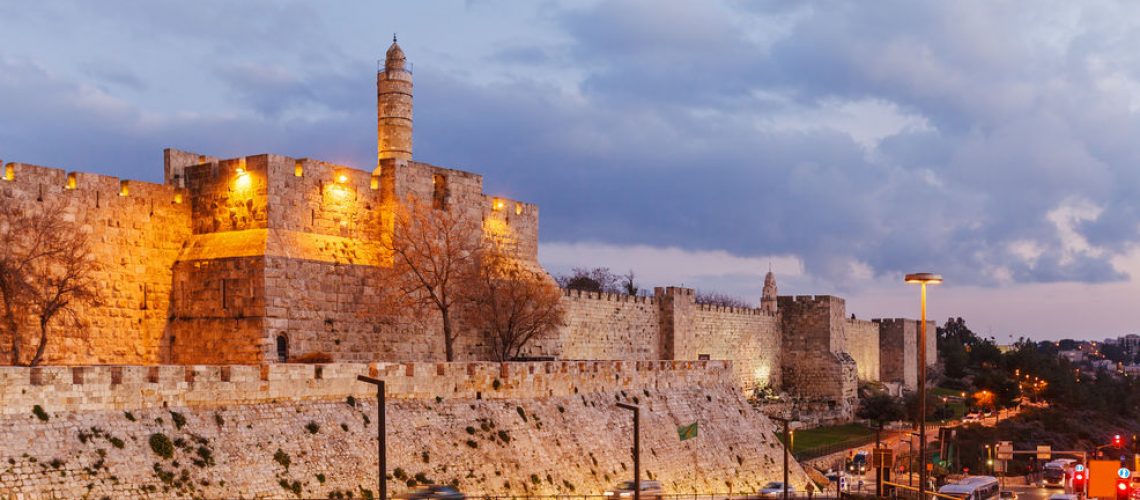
(1116, 441)
(1123, 489)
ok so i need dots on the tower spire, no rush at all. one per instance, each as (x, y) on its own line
(768, 299)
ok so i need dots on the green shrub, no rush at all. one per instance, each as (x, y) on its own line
(470, 430)
(535, 479)
(496, 384)
(130, 416)
(178, 418)
(400, 474)
(40, 413)
(472, 444)
(116, 442)
(312, 427)
(282, 458)
(425, 456)
(161, 445)
(344, 427)
(422, 478)
(219, 420)
(321, 478)
(351, 401)
(505, 436)
(521, 412)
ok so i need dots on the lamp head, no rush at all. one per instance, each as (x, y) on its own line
(924, 278)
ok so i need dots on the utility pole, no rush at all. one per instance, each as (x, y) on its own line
(636, 448)
(381, 433)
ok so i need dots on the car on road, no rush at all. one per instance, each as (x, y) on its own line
(1007, 495)
(775, 489)
(971, 417)
(1063, 496)
(649, 489)
(432, 492)
(858, 463)
(1053, 476)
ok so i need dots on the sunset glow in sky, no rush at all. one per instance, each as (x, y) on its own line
(843, 143)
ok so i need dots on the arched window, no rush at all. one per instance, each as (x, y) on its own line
(282, 349)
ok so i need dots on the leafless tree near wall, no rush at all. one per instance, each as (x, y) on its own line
(512, 303)
(46, 270)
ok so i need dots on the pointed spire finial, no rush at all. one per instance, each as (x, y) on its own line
(393, 38)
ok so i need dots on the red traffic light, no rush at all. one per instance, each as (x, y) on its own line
(1116, 441)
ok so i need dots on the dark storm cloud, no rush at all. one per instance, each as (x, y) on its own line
(993, 142)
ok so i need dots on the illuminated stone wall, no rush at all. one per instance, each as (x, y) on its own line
(135, 238)
(817, 369)
(749, 337)
(515, 428)
(863, 345)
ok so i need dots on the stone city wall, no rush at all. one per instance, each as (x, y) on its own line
(749, 337)
(863, 345)
(605, 326)
(136, 231)
(283, 431)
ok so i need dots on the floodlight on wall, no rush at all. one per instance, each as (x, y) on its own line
(124, 188)
(299, 169)
(518, 208)
(9, 172)
(497, 204)
(342, 178)
(71, 182)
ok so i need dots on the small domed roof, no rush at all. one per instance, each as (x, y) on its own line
(395, 57)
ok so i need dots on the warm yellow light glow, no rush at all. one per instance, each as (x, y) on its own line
(342, 178)
(298, 169)
(518, 208)
(240, 171)
(375, 182)
(178, 198)
(10, 172)
(71, 180)
(497, 204)
(124, 188)
(243, 181)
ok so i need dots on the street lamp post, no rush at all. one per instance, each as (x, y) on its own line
(787, 444)
(636, 448)
(381, 433)
(922, 279)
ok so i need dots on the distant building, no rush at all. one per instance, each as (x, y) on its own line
(1073, 356)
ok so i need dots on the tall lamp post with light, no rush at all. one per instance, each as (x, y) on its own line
(922, 279)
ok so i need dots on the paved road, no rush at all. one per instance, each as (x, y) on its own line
(1033, 492)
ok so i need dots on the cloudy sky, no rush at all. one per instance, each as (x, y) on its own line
(842, 143)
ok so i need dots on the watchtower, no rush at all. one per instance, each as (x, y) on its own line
(394, 106)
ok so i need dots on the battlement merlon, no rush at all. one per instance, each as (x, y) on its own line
(47, 182)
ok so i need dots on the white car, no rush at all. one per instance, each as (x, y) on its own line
(1063, 496)
(775, 489)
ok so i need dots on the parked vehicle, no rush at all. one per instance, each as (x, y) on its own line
(432, 492)
(649, 489)
(1007, 495)
(775, 489)
(858, 463)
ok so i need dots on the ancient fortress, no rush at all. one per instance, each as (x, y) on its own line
(232, 267)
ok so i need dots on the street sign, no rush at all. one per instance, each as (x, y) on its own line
(1005, 450)
(1123, 473)
(882, 458)
(999, 466)
(1044, 452)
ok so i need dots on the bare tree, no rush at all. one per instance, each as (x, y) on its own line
(719, 299)
(628, 284)
(46, 270)
(512, 303)
(598, 279)
(435, 254)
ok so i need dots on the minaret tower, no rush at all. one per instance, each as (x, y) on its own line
(768, 299)
(394, 106)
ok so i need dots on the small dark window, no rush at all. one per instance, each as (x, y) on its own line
(282, 349)
(439, 192)
(703, 357)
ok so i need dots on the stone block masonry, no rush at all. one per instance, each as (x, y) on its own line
(282, 431)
